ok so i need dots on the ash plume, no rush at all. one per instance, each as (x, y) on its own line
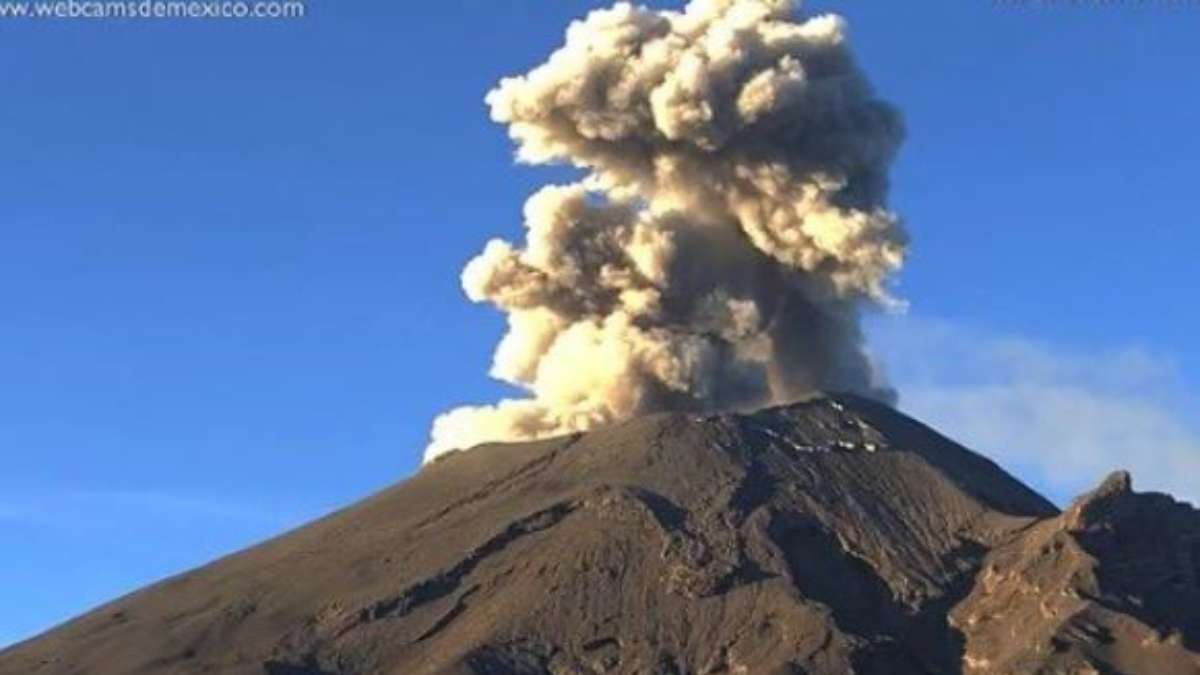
(729, 226)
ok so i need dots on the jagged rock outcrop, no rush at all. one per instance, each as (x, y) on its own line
(1108, 586)
(830, 536)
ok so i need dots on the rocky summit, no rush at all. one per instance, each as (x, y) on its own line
(831, 536)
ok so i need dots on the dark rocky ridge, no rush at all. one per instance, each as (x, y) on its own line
(830, 536)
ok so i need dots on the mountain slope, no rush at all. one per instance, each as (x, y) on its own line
(830, 536)
(1109, 586)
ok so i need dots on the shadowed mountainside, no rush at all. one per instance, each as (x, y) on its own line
(833, 535)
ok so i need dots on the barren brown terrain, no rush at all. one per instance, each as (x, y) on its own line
(830, 536)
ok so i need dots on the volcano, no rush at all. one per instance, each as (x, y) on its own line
(834, 535)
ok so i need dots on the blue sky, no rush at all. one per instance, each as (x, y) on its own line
(229, 258)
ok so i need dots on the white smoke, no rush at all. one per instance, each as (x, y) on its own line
(729, 227)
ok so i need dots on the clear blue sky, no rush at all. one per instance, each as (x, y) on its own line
(229, 252)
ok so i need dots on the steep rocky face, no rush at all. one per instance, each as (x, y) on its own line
(830, 536)
(1109, 586)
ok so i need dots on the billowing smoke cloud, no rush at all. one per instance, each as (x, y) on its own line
(729, 226)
